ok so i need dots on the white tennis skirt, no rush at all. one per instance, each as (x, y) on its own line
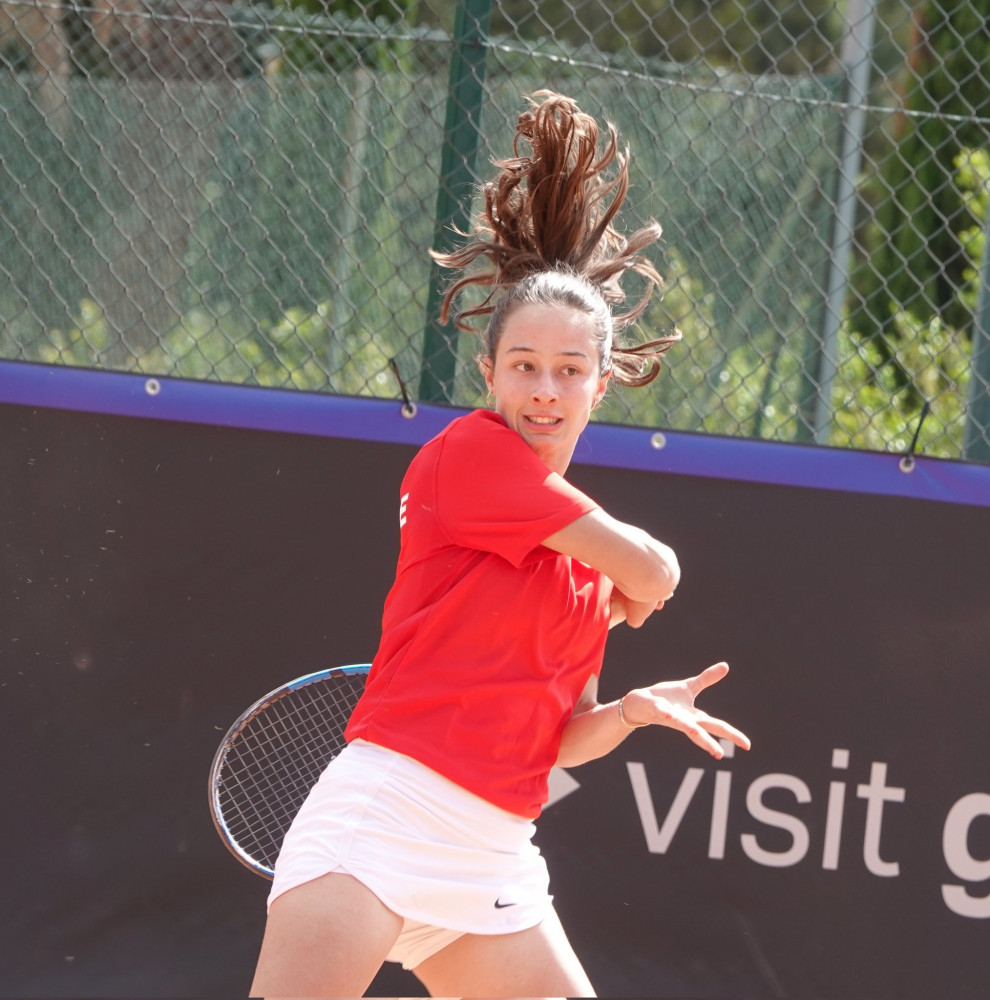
(445, 860)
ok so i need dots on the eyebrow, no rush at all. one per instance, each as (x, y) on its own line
(562, 354)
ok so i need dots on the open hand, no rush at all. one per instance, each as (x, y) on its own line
(671, 703)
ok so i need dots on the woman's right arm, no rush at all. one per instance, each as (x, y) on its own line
(643, 569)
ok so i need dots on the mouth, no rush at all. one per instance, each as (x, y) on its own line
(542, 421)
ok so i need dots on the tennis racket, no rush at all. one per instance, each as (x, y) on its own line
(273, 755)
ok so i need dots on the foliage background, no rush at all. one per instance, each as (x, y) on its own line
(246, 193)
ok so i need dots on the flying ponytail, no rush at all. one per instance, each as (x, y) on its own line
(550, 210)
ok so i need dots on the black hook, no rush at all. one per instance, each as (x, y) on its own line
(907, 459)
(408, 406)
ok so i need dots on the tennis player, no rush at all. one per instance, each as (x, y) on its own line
(415, 845)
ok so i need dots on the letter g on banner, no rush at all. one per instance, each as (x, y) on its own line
(962, 864)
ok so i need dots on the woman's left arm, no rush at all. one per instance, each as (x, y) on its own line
(595, 729)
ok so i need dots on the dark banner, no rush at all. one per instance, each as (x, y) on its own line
(158, 576)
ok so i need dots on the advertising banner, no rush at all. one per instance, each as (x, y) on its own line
(172, 552)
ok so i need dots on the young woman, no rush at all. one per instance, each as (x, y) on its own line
(415, 846)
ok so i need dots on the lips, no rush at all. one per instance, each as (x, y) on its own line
(543, 421)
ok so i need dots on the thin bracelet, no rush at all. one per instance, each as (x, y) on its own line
(622, 717)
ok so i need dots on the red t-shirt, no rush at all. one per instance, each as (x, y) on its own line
(488, 637)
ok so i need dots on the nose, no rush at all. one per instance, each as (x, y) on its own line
(545, 389)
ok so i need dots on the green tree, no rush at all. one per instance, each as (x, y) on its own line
(387, 10)
(753, 35)
(345, 33)
(914, 259)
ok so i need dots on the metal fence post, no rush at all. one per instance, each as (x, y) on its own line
(457, 176)
(857, 45)
(976, 438)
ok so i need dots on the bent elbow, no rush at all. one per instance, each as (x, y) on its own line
(664, 573)
(671, 574)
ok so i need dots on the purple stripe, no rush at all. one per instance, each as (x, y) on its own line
(296, 412)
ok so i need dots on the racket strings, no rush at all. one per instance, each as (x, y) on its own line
(276, 756)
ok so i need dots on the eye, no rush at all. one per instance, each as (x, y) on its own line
(524, 366)
(572, 370)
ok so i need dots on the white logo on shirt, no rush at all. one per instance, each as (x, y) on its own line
(403, 500)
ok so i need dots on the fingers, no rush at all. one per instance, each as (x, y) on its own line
(718, 727)
(708, 677)
(637, 612)
(722, 729)
(699, 735)
(673, 703)
(700, 738)
(701, 729)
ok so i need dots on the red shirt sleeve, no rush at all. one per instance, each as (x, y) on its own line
(493, 493)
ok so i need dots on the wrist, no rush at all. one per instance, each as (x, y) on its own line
(624, 719)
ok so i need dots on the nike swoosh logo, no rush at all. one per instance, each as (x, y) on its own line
(499, 905)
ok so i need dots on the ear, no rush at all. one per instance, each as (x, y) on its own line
(602, 388)
(487, 370)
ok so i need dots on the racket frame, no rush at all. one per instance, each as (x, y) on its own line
(223, 750)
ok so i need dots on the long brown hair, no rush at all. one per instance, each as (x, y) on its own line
(549, 210)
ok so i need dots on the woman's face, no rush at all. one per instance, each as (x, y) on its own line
(546, 378)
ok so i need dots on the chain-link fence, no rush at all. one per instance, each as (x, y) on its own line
(247, 193)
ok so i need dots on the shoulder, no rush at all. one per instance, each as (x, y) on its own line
(477, 438)
(460, 447)
(478, 424)
(470, 426)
